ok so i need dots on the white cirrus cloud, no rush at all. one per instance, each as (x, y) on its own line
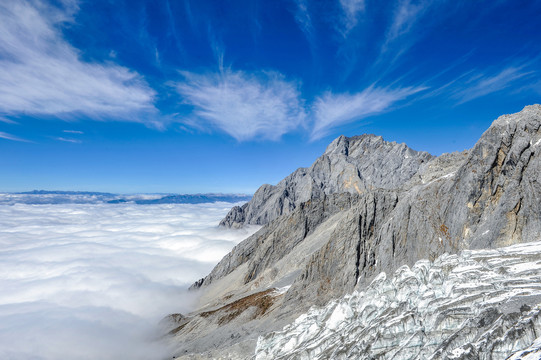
(7, 121)
(406, 14)
(246, 106)
(93, 281)
(351, 10)
(347, 19)
(400, 34)
(4, 135)
(331, 110)
(42, 74)
(73, 141)
(484, 84)
(304, 20)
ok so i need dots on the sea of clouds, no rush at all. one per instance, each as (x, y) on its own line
(92, 281)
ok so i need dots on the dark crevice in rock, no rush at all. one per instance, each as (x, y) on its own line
(358, 251)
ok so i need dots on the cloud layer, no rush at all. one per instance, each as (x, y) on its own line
(42, 74)
(93, 281)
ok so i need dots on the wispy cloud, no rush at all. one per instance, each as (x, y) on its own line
(346, 20)
(42, 74)
(7, 136)
(246, 106)
(483, 84)
(73, 132)
(537, 87)
(405, 16)
(73, 141)
(192, 21)
(332, 110)
(304, 20)
(172, 26)
(7, 121)
(351, 10)
(400, 35)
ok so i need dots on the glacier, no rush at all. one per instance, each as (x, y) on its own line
(478, 304)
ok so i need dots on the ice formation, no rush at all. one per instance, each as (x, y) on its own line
(479, 304)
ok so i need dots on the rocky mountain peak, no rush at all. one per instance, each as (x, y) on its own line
(361, 145)
(341, 145)
(349, 164)
(529, 112)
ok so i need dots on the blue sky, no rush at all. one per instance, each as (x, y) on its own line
(222, 96)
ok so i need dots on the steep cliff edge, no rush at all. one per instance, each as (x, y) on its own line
(365, 206)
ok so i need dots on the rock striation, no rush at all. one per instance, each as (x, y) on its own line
(367, 206)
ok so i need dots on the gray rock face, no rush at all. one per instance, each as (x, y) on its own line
(354, 165)
(489, 197)
(278, 238)
(367, 206)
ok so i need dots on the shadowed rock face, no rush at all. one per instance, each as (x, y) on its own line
(367, 206)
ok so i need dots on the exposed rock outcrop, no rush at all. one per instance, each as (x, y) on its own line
(366, 206)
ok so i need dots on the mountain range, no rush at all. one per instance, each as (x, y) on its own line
(313, 281)
(42, 197)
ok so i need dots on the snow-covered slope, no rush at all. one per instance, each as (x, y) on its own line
(480, 304)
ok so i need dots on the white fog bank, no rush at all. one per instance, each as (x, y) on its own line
(93, 281)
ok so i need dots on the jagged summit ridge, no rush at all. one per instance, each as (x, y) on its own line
(355, 165)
